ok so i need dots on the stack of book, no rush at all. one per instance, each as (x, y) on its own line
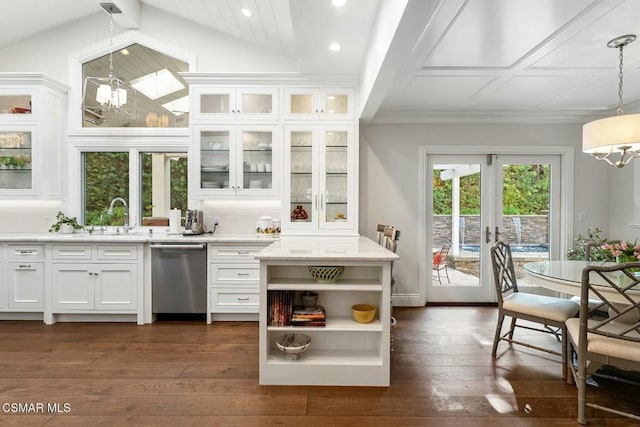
(279, 304)
(308, 316)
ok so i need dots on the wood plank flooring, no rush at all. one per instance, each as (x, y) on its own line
(184, 374)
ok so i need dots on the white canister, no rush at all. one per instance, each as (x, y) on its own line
(265, 225)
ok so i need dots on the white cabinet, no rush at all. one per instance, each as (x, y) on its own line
(32, 154)
(96, 278)
(344, 352)
(24, 277)
(319, 103)
(213, 103)
(233, 281)
(235, 160)
(320, 179)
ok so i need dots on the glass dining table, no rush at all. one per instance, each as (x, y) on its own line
(566, 277)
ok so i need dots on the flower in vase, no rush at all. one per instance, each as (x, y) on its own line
(622, 251)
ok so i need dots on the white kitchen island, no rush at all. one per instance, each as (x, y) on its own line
(344, 352)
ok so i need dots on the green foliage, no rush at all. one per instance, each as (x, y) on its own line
(577, 252)
(63, 219)
(106, 177)
(525, 191)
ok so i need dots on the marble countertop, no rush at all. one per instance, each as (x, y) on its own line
(137, 237)
(325, 248)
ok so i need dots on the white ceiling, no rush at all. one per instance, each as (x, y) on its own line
(449, 60)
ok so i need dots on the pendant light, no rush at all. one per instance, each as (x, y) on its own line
(617, 135)
(112, 94)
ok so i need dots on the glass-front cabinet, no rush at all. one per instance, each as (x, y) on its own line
(236, 103)
(235, 160)
(320, 183)
(324, 104)
(15, 159)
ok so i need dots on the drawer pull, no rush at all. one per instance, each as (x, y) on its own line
(243, 252)
(25, 252)
(243, 299)
(25, 265)
(243, 274)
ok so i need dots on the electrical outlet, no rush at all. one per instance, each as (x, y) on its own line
(582, 216)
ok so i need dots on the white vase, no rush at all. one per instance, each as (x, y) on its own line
(66, 229)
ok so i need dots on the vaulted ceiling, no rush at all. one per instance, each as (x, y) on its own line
(443, 60)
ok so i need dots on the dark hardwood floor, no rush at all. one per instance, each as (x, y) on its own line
(191, 374)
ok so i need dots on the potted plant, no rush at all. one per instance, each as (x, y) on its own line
(64, 224)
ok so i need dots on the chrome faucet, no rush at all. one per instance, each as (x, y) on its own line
(125, 226)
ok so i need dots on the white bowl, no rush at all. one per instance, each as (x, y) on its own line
(292, 345)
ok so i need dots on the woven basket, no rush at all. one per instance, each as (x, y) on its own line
(326, 273)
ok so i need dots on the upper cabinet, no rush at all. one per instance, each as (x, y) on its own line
(32, 117)
(212, 103)
(318, 104)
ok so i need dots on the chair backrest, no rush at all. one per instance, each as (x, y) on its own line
(504, 275)
(380, 233)
(618, 288)
(391, 236)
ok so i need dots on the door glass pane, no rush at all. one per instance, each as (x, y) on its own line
(456, 225)
(15, 104)
(256, 155)
(253, 103)
(525, 213)
(302, 104)
(214, 159)
(338, 104)
(214, 103)
(336, 176)
(164, 186)
(301, 176)
(106, 176)
(15, 160)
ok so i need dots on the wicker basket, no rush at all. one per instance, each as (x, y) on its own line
(326, 273)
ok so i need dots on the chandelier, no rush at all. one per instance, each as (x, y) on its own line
(618, 135)
(101, 95)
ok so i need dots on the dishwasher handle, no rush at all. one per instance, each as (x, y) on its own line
(177, 246)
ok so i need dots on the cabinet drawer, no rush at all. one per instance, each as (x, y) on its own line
(235, 274)
(107, 252)
(26, 251)
(232, 300)
(62, 252)
(234, 253)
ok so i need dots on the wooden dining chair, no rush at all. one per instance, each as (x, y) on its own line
(612, 340)
(441, 263)
(550, 312)
(390, 238)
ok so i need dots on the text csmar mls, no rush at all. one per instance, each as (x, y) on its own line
(36, 407)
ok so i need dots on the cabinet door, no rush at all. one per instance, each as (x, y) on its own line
(256, 160)
(25, 283)
(214, 103)
(300, 103)
(214, 162)
(16, 160)
(115, 286)
(336, 104)
(72, 286)
(336, 210)
(301, 187)
(257, 104)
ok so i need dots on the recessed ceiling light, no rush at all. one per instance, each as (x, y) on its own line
(338, 3)
(246, 12)
(334, 47)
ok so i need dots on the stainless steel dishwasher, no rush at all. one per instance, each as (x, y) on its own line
(179, 278)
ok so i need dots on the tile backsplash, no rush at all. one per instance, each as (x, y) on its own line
(238, 216)
(27, 216)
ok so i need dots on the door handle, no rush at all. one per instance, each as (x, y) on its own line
(487, 234)
(497, 233)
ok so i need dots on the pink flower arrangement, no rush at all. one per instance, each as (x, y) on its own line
(623, 251)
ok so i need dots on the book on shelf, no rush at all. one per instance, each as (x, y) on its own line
(279, 307)
(308, 316)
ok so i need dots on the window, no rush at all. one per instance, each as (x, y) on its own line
(161, 98)
(163, 186)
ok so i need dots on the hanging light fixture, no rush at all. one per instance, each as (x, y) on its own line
(617, 135)
(112, 94)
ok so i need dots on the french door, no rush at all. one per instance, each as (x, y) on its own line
(476, 200)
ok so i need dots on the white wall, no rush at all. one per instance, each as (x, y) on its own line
(216, 52)
(389, 178)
